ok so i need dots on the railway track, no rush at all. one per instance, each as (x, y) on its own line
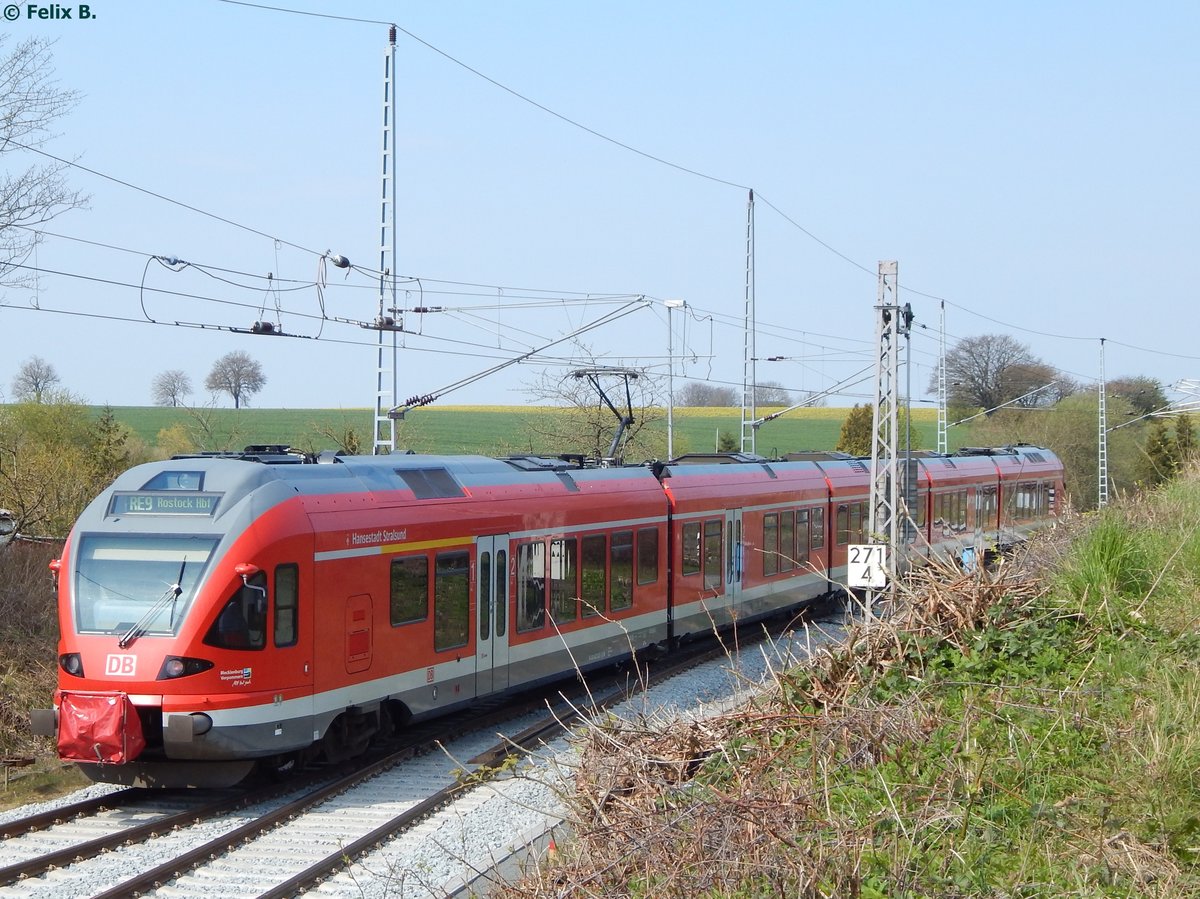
(280, 840)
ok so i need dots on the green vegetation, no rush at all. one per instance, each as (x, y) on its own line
(28, 632)
(1024, 732)
(490, 430)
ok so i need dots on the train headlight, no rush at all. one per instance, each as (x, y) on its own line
(72, 663)
(181, 666)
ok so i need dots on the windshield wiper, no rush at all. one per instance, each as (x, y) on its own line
(139, 627)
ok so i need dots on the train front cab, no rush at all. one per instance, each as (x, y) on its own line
(198, 696)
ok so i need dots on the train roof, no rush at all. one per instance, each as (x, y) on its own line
(426, 476)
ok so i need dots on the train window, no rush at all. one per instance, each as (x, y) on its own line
(621, 571)
(817, 520)
(176, 480)
(787, 540)
(484, 595)
(531, 586)
(1024, 501)
(564, 565)
(859, 522)
(802, 539)
(242, 624)
(843, 524)
(592, 576)
(120, 578)
(647, 555)
(409, 598)
(712, 553)
(287, 590)
(691, 548)
(770, 544)
(986, 513)
(451, 600)
(501, 591)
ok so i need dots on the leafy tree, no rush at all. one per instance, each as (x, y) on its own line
(728, 442)
(34, 380)
(1145, 394)
(30, 103)
(170, 387)
(698, 393)
(1069, 429)
(855, 437)
(112, 453)
(239, 374)
(990, 370)
(175, 440)
(54, 459)
(1185, 436)
(1162, 455)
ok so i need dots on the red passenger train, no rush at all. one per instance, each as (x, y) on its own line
(217, 612)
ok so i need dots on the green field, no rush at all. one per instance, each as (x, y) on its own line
(490, 430)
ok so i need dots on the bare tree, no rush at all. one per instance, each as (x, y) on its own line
(584, 424)
(1144, 393)
(1037, 385)
(35, 378)
(989, 370)
(30, 103)
(771, 393)
(699, 393)
(239, 374)
(170, 387)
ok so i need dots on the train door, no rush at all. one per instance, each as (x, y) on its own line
(491, 604)
(733, 559)
(358, 633)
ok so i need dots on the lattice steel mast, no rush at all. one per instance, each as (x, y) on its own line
(884, 504)
(942, 442)
(749, 405)
(385, 384)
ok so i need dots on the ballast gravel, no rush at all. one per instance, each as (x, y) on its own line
(500, 823)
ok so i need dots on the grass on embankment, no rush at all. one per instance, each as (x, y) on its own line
(1029, 732)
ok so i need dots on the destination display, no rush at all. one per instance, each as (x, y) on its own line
(164, 503)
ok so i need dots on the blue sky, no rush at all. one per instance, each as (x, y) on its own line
(1032, 164)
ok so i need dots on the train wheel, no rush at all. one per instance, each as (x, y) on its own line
(348, 736)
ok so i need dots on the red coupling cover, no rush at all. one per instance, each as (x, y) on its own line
(99, 727)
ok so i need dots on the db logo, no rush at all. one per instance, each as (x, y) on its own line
(120, 666)
(429, 675)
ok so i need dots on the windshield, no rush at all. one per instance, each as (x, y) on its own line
(119, 579)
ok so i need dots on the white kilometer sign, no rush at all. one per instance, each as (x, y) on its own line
(866, 565)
